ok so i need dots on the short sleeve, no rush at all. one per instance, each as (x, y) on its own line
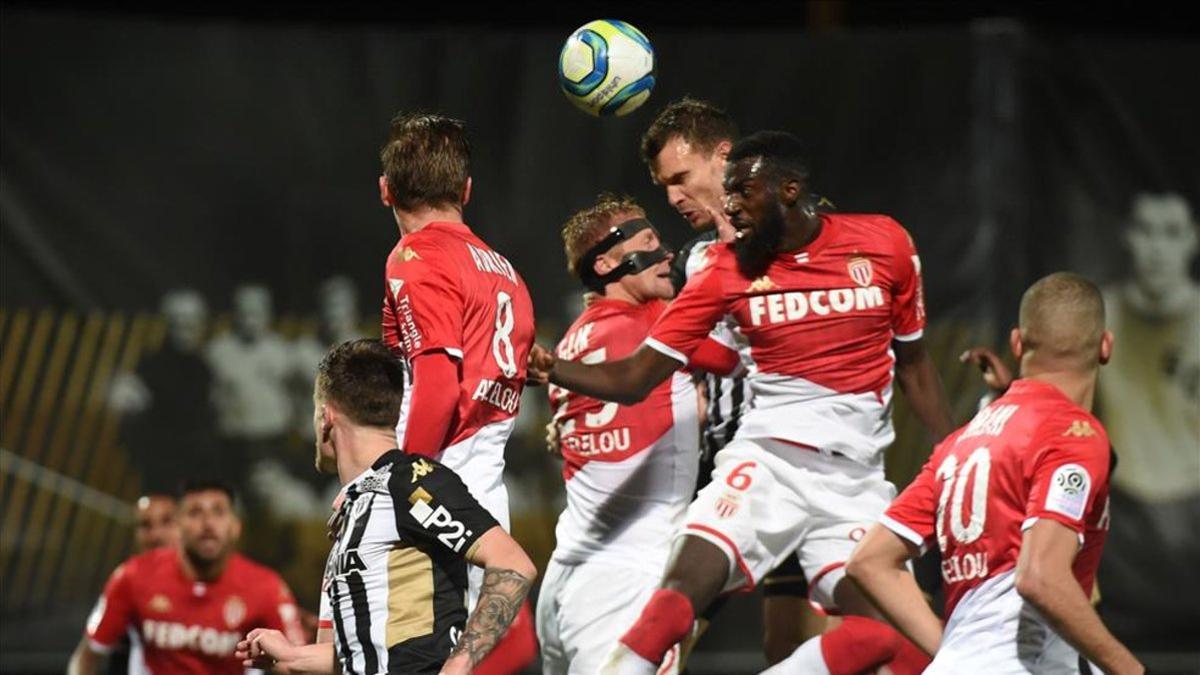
(113, 613)
(1069, 471)
(281, 612)
(691, 316)
(908, 294)
(423, 304)
(324, 608)
(434, 506)
(912, 515)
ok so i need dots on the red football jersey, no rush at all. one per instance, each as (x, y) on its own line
(1033, 453)
(448, 290)
(630, 470)
(187, 626)
(820, 323)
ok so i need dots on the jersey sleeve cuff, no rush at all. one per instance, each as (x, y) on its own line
(666, 350)
(903, 531)
(455, 352)
(1028, 523)
(910, 337)
(99, 647)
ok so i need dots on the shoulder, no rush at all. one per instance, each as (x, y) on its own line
(872, 228)
(418, 247)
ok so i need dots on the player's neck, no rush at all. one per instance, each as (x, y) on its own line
(615, 291)
(358, 448)
(202, 570)
(417, 220)
(1079, 387)
(801, 232)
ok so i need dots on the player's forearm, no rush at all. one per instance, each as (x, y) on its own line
(500, 599)
(610, 381)
(84, 661)
(894, 591)
(922, 386)
(1057, 595)
(314, 659)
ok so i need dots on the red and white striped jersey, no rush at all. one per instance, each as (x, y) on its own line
(820, 323)
(630, 470)
(1031, 454)
(448, 290)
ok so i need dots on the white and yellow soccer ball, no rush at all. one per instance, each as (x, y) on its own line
(607, 68)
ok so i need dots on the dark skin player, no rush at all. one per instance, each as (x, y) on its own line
(768, 209)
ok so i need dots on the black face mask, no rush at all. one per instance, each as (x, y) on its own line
(631, 263)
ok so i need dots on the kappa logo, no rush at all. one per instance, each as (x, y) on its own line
(1080, 429)
(159, 603)
(234, 611)
(405, 254)
(860, 271)
(420, 469)
(761, 285)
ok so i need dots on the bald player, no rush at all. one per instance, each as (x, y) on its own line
(1017, 502)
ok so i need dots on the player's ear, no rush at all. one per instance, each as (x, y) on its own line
(466, 196)
(721, 152)
(385, 195)
(1014, 343)
(1106, 347)
(789, 192)
(603, 265)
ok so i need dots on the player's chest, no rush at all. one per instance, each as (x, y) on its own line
(832, 290)
(204, 622)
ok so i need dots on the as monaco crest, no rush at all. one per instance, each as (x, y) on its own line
(235, 611)
(860, 271)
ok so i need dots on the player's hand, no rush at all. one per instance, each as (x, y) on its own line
(541, 364)
(996, 374)
(264, 649)
(552, 445)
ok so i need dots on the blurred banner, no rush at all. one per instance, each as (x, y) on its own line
(191, 217)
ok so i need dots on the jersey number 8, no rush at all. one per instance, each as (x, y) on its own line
(502, 346)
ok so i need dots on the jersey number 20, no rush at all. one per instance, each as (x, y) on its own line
(978, 466)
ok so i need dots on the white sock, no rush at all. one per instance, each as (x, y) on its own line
(806, 659)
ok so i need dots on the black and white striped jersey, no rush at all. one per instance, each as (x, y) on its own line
(728, 398)
(395, 585)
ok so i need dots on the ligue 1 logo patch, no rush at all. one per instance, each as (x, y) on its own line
(235, 611)
(860, 270)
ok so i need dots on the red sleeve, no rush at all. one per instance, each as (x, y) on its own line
(713, 357)
(1069, 471)
(113, 613)
(432, 404)
(280, 611)
(423, 308)
(913, 515)
(692, 314)
(908, 295)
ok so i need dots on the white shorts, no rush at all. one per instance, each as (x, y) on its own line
(768, 498)
(583, 610)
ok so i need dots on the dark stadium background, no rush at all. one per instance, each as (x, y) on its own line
(146, 148)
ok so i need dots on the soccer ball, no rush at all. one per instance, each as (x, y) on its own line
(607, 68)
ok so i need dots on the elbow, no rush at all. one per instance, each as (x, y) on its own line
(860, 570)
(1031, 586)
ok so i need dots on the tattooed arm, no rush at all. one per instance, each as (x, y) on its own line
(508, 574)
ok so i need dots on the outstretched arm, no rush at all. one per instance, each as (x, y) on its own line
(919, 381)
(1045, 580)
(627, 381)
(508, 575)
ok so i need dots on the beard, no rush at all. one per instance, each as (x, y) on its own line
(756, 247)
